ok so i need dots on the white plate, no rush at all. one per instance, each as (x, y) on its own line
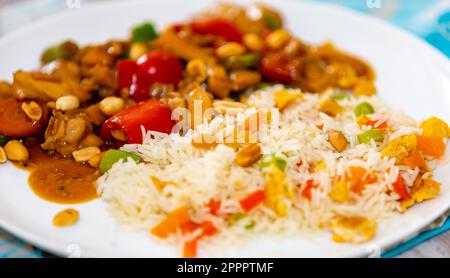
(411, 75)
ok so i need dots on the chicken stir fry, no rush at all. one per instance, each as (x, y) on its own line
(101, 95)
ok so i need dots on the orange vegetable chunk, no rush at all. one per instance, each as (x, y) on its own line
(174, 221)
(431, 145)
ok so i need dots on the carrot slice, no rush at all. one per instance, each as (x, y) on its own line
(310, 185)
(431, 145)
(208, 228)
(414, 160)
(174, 221)
(372, 123)
(356, 179)
(190, 248)
(254, 199)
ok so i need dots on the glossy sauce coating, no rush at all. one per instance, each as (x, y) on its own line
(57, 179)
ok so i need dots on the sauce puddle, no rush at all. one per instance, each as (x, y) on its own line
(57, 179)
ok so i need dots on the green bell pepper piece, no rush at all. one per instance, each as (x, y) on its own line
(376, 134)
(144, 32)
(363, 108)
(112, 156)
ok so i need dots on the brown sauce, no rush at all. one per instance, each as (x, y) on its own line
(57, 179)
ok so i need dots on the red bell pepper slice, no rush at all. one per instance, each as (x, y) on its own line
(372, 123)
(156, 66)
(150, 114)
(254, 199)
(277, 68)
(214, 206)
(306, 193)
(400, 188)
(190, 248)
(219, 27)
(126, 72)
(207, 228)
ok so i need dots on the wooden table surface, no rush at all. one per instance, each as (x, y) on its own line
(437, 247)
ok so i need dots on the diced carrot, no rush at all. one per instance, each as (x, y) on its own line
(208, 228)
(414, 160)
(214, 206)
(359, 178)
(174, 221)
(357, 183)
(400, 188)
(371, 178)
(373, 123)
(431, 145)
(190, 248)
(253, 200)
(189, 227)
(307, 191)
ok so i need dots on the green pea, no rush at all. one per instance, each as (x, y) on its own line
(375, 134)
(364, 108)
(112, 156)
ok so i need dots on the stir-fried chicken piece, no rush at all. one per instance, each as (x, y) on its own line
(65, 131)
(46, 87)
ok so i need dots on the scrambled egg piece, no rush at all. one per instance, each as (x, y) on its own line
(284, 97)
(321, 166)
(159, 184)
(353, 229)
(435, 127)
(339, 192)
(278, 189)
(400, 147)
(425, 190)
(330, 107)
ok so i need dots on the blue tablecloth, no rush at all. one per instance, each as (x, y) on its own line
(429, 19)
